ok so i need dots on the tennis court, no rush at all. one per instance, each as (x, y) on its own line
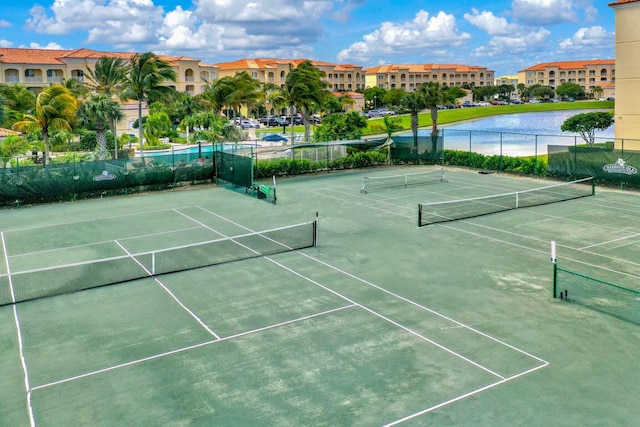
(361, 318)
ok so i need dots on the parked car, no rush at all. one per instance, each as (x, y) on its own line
(611, 98)
(249, 124)
(270, 121)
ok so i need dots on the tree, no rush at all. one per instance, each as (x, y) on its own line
(570, 90)
(98, 112)
(389, 125)
(340, 127)
(144, 80)
(55, 109)
(108, 76)
(414, 102)
(392, 97)
(544, 92)
(597, 91)
(11, 146)
(303, 90)
(373, 96)
(434, 94)
(587, 123)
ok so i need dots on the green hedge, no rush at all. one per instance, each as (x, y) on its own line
(523, 165)
(263, 169)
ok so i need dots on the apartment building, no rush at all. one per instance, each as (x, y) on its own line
(38, 68)
(339, 77)
(627, 110)
(411, 76)
(588, 74)
(507, 80)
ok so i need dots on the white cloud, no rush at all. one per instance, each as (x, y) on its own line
(51, 46)
(436, 33)
(5, 24)
(544, 12)
(513, 46)
(593, 39)
(493, 25)
(5, 43)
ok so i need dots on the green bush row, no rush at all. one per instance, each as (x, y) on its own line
(523, 165)
(279, 167)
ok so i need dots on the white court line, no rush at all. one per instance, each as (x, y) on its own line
(546, 252)
(104, 242)
(424, 308)
(609, 241)
(463, 396)
(393, 322)
(18, 330)
(191, 347)
(191, 313)
(92, 220)
(440, 346)
(384, 290)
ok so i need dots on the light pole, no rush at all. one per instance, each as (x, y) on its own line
(375, 102)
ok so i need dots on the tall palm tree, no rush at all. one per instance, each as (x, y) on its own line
(218, 93)
(145, 79)
(99, 112)
(303, 90)
(434, 94)
(107, 77)
(55, 109)
(414, 102)
(246, 91)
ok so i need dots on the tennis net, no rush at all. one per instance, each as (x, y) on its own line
(614, 300)
(452, 210)
(372, 183)
(45, 282)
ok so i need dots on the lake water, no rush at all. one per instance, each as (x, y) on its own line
(521, 134)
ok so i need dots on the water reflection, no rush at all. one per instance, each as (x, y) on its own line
(521, 134)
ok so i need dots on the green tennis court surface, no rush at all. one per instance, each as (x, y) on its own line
(381, 323)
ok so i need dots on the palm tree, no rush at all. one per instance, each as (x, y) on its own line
(146, 75)
(107, 77)
(303, 89)
(55, 109)
(435, 94)
(414, 102)
(11, 146)
(99, 112)
(597, 91)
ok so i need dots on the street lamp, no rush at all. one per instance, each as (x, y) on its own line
(375, 102)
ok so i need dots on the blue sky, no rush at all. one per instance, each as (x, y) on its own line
(503, 35)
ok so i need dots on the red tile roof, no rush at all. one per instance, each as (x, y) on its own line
(7, 132)
(266, 63)
(422, 68)
(566, 65)
(616, 3)
(57, 56)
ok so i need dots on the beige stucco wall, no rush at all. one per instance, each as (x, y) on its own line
(627, 108)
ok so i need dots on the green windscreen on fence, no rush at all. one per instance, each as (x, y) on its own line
(234, 168)
(72, 277)
(614, 300)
